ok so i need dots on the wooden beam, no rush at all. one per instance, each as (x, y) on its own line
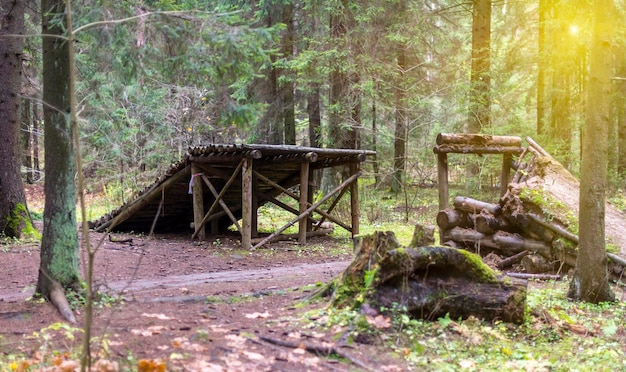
(469, 149)
(246, 204)
(304, 196)
(221, 202)
(217, 199)
(330, 209)
(342, 186)
(477, 140)
(156, 216)
(325, 215)
(198, 200)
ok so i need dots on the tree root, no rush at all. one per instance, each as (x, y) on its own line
(318, 350)
(58, 298)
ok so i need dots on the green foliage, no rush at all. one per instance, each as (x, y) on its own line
(555, 327)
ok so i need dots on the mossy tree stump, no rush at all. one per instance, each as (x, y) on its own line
(429, 282)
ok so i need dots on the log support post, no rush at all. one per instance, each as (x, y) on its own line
(304, 196)
(246, 199)
(354, 199)
(198, 200)
(506, 171)
(442, 182)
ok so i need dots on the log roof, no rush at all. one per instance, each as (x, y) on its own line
(169, 197)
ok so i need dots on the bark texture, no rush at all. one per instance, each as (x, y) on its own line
(590, 283)
(59, 248)
(429, 281)
(15, 220)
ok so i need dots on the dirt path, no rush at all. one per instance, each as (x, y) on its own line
(192, 306)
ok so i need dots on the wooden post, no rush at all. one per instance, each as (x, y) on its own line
(254, 228)
(354, 199)
(312, 189)
(442, 174)
(304, 196)
(246, 203)
(506, 170)
(198, 200)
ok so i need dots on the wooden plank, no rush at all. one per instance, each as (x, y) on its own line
(198, 200)
(246, 204)
(341, 187)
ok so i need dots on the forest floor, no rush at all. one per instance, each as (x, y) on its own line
(169, 301)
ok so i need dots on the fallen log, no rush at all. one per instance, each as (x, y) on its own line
(487, 223)
(450, 218)
(514, 242)
(475, 206)
(429, 281)
(282, 237)
(512, 259)
(477, 140)
(534, 276)
(536, 264)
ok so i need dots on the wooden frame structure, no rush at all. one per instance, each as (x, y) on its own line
(460, 143)
(216, 186)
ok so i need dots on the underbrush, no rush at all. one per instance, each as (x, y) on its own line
(557, 335)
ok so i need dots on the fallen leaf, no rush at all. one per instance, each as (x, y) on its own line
(467, 363)
(158, 316)
(104, 365)
(151, 365)
(258, 315)
(150, 331)
(379, 321)
(253, 356)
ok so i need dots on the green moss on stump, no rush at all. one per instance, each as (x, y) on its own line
(19, 222)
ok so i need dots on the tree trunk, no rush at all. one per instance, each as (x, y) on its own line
(26, 140)
(287, 88)
(542, 66)
(480, 84)
(59, 247)
(399, 141)
(590, 282)
(15, 220)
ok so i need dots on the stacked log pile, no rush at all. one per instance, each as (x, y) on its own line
(534, 224)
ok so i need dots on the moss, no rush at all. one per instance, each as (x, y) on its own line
(480, 270)
(551, 207)
(19, 222)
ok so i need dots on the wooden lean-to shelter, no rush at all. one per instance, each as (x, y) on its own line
(216, 186)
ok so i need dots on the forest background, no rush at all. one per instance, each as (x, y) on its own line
(156, 77)
(380, 75)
